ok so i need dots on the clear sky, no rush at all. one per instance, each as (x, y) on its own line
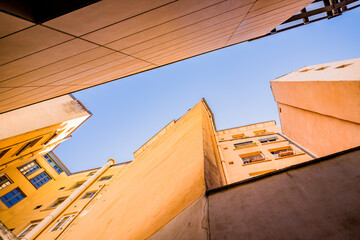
(234, 81)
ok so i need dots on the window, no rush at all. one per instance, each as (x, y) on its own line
(105, 178)
(260, 132)
(58, 202)
(62, 223)
(238, 135)
(40, 179)
(321, 68)
(90, 174)
(268, 140)
(282, 152)
(77, 185)
(89, 195)
(244, 144)
(29, 168)
(13, 197)
(306, 70)
(27, 145)
(53, 163)
(32, 225)
(50, 138)
(252, 157)
(4, 182)
(3, 152)
(343, 66)
(37, 207)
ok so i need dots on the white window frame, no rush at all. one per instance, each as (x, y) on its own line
(30, 225)
(70, 216)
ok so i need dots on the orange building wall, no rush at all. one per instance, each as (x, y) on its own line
(319, 106)
(321, 134)
(158, 185)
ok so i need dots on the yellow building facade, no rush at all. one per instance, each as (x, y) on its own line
(256, 149)
(41, 199)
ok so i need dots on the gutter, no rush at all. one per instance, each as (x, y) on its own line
(54, 214)
(313, 156)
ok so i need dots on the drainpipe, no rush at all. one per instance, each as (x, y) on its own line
(54, 214)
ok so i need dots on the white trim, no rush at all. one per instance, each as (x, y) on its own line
(64, 223)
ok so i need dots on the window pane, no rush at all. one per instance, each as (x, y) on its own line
(13, 197)
(40, 179)
(29, 168)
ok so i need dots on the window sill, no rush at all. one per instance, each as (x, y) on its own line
(266, 160)
(248, 146)
(274, 142)
(263, 134)
(299, 154)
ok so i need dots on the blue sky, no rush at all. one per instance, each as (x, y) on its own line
(234, 81)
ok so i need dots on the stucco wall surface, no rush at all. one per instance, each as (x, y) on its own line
(317, 201)
(320, 134)
(191, 224)
(339, 99)
(157, 186)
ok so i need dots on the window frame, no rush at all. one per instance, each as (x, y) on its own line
(106, 178)
(15, 196)
(89, 194)
(247, 155)
(245, 144)
(78, 184)
(4, 181)
(27, 145)
(32, 223)
(268, 140)
(282, 149)
(30, 172)
(35, 184)
(57, 202)
(53, 164)
(4, 152)
(62, 223)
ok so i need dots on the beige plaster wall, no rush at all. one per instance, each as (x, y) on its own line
(41, 115)
(235, 168)
(339, 99)
(321, 134)
(319, 106)
(318, 201)
(156, 187)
